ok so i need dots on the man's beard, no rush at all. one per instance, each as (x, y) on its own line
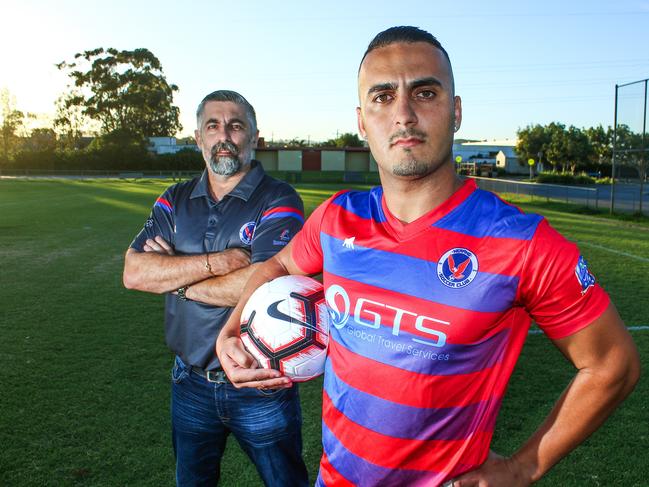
(225, 165)
(411, 167)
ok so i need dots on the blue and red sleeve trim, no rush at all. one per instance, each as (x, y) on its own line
(164, 204)
(283, 212)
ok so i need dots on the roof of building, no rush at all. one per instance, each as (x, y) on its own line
(495, 142)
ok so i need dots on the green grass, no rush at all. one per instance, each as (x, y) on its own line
(85, 391)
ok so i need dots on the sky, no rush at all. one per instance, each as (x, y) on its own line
(515, 63)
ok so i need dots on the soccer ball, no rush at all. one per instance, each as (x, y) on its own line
(285, 326)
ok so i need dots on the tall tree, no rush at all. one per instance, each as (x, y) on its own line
(70, 123)
(602, 143)
(125, 91)
(40, 140)
(577, 149)
(533, 143)
(12, 120)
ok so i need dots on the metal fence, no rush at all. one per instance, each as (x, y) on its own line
(555, 192)
(627, 197)
(630, 141)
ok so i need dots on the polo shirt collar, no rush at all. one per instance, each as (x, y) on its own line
(243, 190)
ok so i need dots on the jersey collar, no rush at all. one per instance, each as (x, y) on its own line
(243, 190)
(403, 231)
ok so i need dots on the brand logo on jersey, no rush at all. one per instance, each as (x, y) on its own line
(148, 223)
(371, 314)
(348, 243)
(457, 267)
(585, 278)
(246, 233)
(284, 237)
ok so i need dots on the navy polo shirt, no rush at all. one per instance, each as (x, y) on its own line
(261, 215)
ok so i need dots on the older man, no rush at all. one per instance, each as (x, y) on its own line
(202, 241)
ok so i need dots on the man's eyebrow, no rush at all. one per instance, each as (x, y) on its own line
(429, 81)
(230, 122)
(382, 87)
(237, 120)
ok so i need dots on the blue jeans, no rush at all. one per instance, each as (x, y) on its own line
(267, 425)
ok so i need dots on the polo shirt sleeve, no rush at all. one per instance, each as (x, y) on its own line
(307, 249)
(281, 219)
(556, 288)
(160, 221)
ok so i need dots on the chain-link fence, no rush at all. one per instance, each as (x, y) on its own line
(599, 196)
(630, 137)
(555, 192)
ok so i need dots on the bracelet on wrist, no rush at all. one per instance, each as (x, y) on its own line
(208, 266)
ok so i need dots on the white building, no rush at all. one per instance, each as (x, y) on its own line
(168, 145)
(489, 152)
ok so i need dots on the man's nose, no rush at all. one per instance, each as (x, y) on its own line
(223, 133)
(404, 114)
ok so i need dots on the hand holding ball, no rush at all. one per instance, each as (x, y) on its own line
(285, 326)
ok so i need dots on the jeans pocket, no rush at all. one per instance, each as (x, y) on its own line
(270, 392)
(178, 373)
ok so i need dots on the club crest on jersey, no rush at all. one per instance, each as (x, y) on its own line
(246, 233)
(457, 267)
(585, 278)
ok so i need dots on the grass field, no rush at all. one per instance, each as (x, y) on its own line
(84, 397)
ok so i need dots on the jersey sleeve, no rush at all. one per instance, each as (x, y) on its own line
(279, 223)
(307, 250)
(557, 289)
(160, 221)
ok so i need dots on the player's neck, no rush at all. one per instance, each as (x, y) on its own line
(222, 185)
(410, 199)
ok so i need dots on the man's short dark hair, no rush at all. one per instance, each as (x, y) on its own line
(409, 35)
(234, 97)
(406, 34)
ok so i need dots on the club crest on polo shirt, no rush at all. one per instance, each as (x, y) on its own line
(246, 232)
(457, 267)
(585, 278)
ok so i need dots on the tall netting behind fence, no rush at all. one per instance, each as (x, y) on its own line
(630, 144)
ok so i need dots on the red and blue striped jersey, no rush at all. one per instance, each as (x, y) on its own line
(429, 319)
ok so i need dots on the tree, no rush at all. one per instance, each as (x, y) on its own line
(602, 143)
(125, 91)
(554, 153)
(346, 139)
(70, 122)
(533, 142)
(12, 120)
(577, 149)
(40, 140)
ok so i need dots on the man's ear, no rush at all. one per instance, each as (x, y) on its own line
(457, 106)
(361, 124)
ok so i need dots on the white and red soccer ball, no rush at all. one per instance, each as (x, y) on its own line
(285, 326)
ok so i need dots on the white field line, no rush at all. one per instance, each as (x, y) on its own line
(536, 331)
(613, 251)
